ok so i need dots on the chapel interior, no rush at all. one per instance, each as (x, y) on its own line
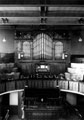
(41, 59)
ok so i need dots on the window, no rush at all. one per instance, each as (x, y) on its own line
(18, 46)
(42, 46)
(58, 49)
(26, 49)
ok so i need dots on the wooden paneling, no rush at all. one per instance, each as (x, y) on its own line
(81, 87)
(63, 84)
(42, 83)
(2, 87)
(73, 86)
(57, 68)
(26, 68)
(10, 85)
(20, 84)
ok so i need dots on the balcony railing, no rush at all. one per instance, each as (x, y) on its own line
(64, 85)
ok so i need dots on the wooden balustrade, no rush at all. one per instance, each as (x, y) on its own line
(81, 87)
(73, 86)
(20, 84)
(64, 85)
(2, 87)
(10, 85)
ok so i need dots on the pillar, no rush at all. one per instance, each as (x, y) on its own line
(71, 98)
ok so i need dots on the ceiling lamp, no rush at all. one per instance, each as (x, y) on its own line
(4, 40)
(80, 39)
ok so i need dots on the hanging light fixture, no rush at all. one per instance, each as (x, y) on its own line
(4, 40)
(80, 39)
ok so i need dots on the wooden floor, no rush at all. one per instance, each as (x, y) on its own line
(14, 117)
(70, 118)
(66, 114)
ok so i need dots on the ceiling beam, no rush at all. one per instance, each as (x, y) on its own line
(39, 5)
(41, 20)
(42, 14)
(38, 23)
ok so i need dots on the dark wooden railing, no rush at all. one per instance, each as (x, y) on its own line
(64, 85)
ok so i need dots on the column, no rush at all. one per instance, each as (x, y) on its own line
(71, 98)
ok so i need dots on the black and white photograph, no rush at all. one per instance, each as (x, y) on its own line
(41, 59)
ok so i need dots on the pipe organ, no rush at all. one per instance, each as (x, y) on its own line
(41, 47)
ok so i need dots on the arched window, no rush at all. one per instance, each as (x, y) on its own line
(26, 49)
(42, 46)
(58, 49)
(18, 46)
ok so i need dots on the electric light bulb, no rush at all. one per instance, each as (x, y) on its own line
(4, 40)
